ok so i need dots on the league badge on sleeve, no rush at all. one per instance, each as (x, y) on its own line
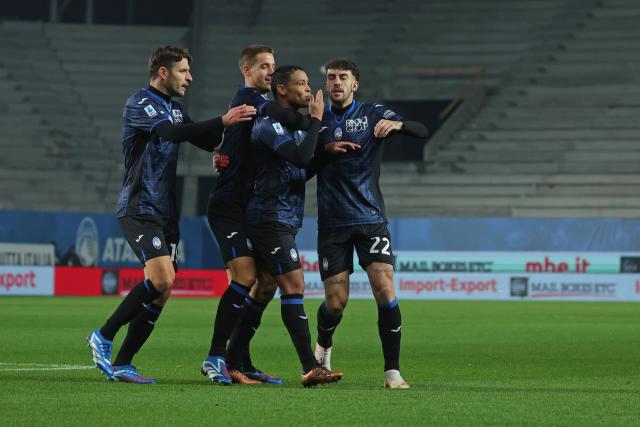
(278, 127)
(151, 112)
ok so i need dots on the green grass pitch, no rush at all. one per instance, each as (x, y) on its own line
(469, 363)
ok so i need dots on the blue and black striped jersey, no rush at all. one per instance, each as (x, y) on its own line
(233, 183)
(348, 186)
(150, 162)
(278, 193)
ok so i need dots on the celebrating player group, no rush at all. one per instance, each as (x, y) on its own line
(267, 151)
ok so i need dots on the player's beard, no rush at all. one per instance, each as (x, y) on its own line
(171, 89)
(343, 97)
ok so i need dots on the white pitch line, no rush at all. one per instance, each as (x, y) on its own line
(59, 368)
(42, 367)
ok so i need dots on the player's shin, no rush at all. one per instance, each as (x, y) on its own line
(237, 352)
(229, 309)
(143, 293)
(389, 325)
(328, 321)
(297, 323)
(140, 328)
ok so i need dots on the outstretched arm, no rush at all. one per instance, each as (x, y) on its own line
(206, 134)
(324, 154)
(412, 128)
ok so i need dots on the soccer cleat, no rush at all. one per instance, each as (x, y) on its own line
(129, 374)
(320, 375)
(323, 356)
(239, 378)
(101, 351)
(215, 368)
(392, 379)
(258, 375)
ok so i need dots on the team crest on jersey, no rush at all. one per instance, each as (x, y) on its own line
(357, 125)
(388, 114)
(278, 127)
(338, 134)
(151, 112)
(177, 116)
(294, 254)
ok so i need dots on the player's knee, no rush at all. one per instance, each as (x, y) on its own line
(245, 278)
(384, 295)
(264, 294)
(164, 281)
(336, 304)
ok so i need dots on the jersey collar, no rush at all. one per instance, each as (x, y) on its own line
(353, 106)
(161, 99)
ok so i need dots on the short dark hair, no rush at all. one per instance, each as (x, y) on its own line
(166, 56)
(249, 54)
(343, 64)
(281, 76)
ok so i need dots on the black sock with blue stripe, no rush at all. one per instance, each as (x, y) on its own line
(238, 350)
(143, 293)
(327, 323)
(297, 323)
(389, 325)
(140, 329)
(229, 309)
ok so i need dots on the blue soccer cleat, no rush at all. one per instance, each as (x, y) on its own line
(215, 368)
(257, 374)
(129, 374)
(101, 351)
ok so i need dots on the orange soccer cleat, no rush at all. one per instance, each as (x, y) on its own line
(320, 375)
(238, 377)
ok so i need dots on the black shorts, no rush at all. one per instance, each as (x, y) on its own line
(151, 236)
(335, 247)
(227, 224)
(274, 247)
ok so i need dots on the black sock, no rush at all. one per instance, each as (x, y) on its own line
(297, 323)
(327, 323)
(238, 350)
(140, 329)
(229, 310)
(389, 324)
(143, 293)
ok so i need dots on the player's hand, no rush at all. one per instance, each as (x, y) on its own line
(339, 147)
(241, 113)
(384, 127)
(316, 105)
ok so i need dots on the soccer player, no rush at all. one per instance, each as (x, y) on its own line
(154, 125)
(226, 218)
(275, 208)
(351, 214)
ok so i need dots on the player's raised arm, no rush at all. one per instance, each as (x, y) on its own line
(301, 154)
(289, 118)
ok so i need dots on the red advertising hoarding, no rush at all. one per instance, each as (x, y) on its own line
(88, 281)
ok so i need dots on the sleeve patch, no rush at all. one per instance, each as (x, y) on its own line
(278, 127)
(151, 112)
(387, 114)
